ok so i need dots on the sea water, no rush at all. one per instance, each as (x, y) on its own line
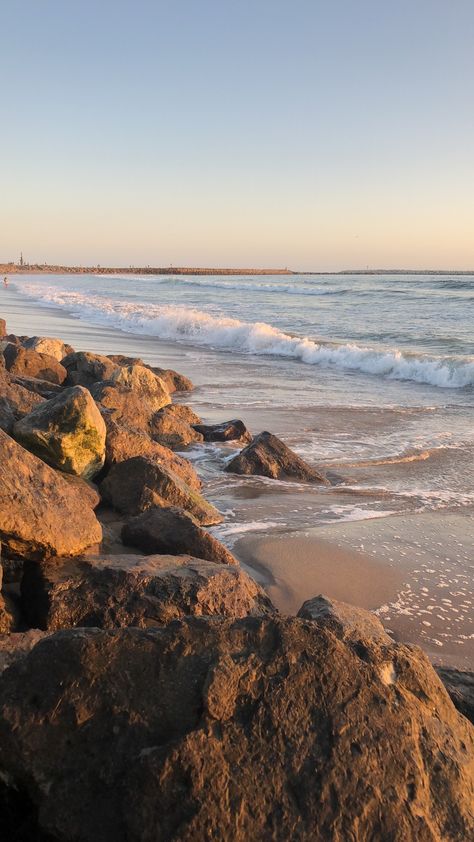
(369, 376)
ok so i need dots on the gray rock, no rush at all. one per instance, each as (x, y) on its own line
(268, 456)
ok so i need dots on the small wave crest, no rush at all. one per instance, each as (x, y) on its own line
(187, 324)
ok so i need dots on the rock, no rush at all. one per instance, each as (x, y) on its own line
(227, 431)
(268, 456)
(346, 621)
(133, 486)
(123, 443)
(138, 379)
(170, 530)
(41, 514)
(218, 729)
(175, 382)
(67, 432)
(15, 401)
(84, 368)
(126, 590)
(123, 406)
(43, 388)
(87, 490)
(8, 615)
(3, 328)
(28, 363)
(460, 686)
(48, 345)
(15, 646)
(171, 429)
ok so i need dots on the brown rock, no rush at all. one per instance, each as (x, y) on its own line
(67, 432)
(3, 328)
(460, 686)
(346, 621)
(174, 381)
(123, 406)
(15, 401)
(139, 379)
(48, 345)
(13, 647)
(170, 427)
(234, 430)
(126, 590)
(44, 388)
(133, 486)
(41, 514)
(268, 456)
(84, 368)
(9, 615)
(213, 729)
(170, 530)
(29, 363)
(123, 443)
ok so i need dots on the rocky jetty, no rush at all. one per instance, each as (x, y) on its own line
(149, 690)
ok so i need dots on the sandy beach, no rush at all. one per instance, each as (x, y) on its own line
(415, 571)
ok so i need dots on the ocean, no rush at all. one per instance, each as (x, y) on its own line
(369, 377)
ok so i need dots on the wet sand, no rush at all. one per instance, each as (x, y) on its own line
(415, 571)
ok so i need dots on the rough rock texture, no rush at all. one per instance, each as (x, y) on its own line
(125, 590)
(48, 345)
(8, 615)
(15, 401)
(29, 363)
(41, 387)
(460, 686)
(234, 430)
(41, 514)
(3, 328)
(123, 443)
(212, 729)
(170, 530)
(67, 432)
(123, 406)
(133, 486)
(16, 646)
(171, 428)
(84, 368)
(87, 490)
(346, 621)
(268, 456)
(139, 379)
(175, 382)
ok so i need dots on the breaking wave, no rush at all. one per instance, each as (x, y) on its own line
(186, 324)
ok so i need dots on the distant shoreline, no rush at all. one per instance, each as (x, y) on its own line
(37, 269)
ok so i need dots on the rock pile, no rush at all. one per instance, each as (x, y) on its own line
(149, 691)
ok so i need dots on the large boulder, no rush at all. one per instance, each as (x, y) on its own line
(123, 443)
(48, 345)
(460, 686)
(174, 381)
(170, 530)
(28, 363)
(84, 368)
(234, 430)
(133, 486)
(126, 590)
(268, 456)
(44, 388)
(67, 432)
(139, 379)
(346, 621)
(251, 729)
(172, 427)
(15, 401)
(41, 513)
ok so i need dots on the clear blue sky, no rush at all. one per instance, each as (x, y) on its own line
(316, 134)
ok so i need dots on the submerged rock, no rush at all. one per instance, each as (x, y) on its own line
(41, 513)
(251, 729)
(268, 456)
(170, 530)
(127, 590)
(137, 484)
(234, 430)
(67, 432)
(28, 363)
(123, 443)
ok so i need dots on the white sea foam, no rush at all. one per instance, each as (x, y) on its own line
(186, 324)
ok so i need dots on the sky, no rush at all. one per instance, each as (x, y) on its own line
(313, 134)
